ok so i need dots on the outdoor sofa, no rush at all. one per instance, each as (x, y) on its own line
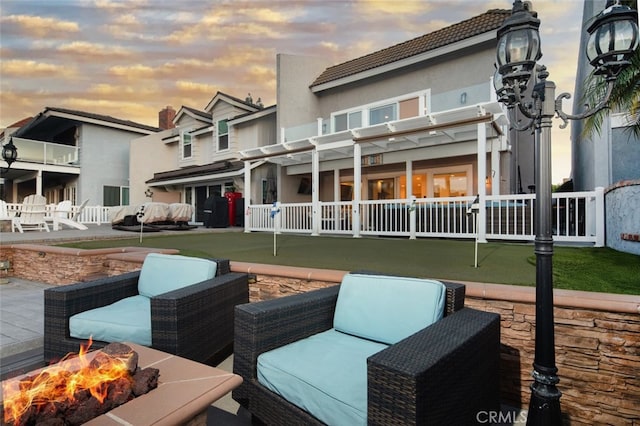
(445, 373)
(190, 319)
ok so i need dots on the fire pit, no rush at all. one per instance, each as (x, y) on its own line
(185, 389)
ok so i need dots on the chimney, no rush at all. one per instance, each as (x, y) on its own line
(165, 118)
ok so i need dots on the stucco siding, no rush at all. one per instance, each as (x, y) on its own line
(149, 155)
(296, 103)
(625, 155)
(440, 77)
(104, 160)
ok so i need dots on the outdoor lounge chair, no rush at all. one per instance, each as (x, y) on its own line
(5, 215)
(62, 216)
(186, 314)
(32, 214)
(444, 373)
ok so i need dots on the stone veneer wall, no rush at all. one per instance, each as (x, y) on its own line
(63, 265)
(597, 335)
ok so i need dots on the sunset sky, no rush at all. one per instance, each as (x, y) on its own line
(130, 58)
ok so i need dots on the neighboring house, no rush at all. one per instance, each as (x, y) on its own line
(612, 155)
(199, 157)
(72, 155)
(609, 159)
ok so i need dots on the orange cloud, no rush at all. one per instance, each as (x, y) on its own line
(92, 49)
(39, 26)
(133, 72)
(28, 68)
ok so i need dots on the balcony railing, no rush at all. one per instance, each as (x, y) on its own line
(46, 152)
(445, 101)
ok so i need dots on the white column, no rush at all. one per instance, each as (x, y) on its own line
(247, 196)
(410, 200)
(495, 167)
(336, 199)
(316, 217)
(482, 174)
(39, 183)
(357, 189)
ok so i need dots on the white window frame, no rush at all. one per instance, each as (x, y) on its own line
(218, 135)
(184, 144)
(424, 106)
(466, 168)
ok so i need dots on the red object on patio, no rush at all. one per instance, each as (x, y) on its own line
(232, 197)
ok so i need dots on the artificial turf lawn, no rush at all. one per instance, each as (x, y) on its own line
(575, 268)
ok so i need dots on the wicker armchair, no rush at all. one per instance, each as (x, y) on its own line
(195, 322)
(445, 374)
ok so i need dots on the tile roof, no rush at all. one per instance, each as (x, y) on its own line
(488, 21)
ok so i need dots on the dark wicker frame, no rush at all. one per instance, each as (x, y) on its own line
(194, 322)
(445, 374)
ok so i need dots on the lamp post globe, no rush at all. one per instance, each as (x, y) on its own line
(518, 45)
(613, 38)
(9, 153)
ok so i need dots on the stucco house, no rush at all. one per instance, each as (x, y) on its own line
(607, 159)
(72, 155)
(198, 157)
(416, 119)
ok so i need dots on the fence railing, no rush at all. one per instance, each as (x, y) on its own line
(96, 215)
(577, 217)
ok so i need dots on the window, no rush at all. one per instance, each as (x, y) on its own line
(345, 121)
(115, 196)
(223, 135)
(381, 189)
(186, 145)
(383, 114)
(450, 184)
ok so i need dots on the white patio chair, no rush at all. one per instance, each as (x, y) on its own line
(32, 214)
(61, 215)
(5, 215)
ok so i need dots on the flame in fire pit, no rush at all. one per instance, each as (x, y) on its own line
(60, 383)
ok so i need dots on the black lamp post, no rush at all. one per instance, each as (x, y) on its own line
(9, 154)
(613, 39)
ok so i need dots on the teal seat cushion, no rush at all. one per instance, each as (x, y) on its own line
(127, 320)
(387, 309)
(162, 273)
(325, 374)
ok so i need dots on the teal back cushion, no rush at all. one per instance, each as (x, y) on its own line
(162, 273)
(387, 309)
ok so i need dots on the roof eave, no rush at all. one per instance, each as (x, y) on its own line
(431, 54)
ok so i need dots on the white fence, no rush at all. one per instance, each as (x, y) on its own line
(577, 217)
(96, 215)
